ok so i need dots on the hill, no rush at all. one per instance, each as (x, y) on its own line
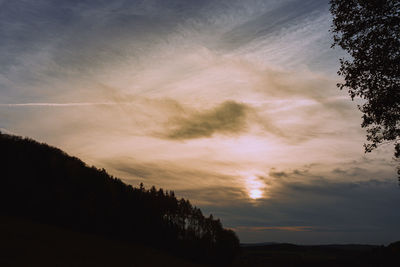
(43, 184)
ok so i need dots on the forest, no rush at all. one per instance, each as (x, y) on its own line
(42, 183)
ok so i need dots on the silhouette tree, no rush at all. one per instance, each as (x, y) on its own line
(369, 31)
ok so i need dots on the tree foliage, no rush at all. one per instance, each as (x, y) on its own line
(369, 31)
(43, 183)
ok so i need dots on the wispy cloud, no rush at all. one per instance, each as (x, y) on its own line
(281, 228)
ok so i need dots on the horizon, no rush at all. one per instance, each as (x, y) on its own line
(233, 105)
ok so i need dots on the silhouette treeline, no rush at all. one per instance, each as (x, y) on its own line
(43, 183)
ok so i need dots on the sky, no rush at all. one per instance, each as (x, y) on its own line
(232, 104)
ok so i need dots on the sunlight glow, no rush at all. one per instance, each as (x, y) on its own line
(254, 187)
(255, 193)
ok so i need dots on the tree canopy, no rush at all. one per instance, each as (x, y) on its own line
(369, 31)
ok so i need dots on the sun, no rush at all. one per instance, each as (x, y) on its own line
(255, 193)
(254, 186)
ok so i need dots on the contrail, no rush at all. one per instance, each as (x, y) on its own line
(60, 104)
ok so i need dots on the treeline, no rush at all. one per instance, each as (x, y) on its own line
(43, 183)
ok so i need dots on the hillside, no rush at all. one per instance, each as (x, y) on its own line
(43, 184)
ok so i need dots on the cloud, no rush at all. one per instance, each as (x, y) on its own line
(272, 22)
(317, 211)
(281, 228)
(216, 196)
(227, 118)
(199, 185)
(164, 172)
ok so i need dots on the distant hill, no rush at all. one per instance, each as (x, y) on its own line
(277, 245)
(44, 184)
(281, 254)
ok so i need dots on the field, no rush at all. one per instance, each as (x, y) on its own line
(27, 243)
(287, 255)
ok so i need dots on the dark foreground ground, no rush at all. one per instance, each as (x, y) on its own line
(27, 243)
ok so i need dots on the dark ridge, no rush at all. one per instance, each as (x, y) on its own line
(44, 184)
(281, 254)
